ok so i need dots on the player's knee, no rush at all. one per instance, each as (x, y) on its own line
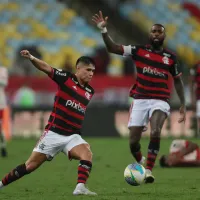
(133, 140)
(86, 155)
(31, 166)
(155, 133)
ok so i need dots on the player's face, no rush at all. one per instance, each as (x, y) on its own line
(86, 73)
(157, 35)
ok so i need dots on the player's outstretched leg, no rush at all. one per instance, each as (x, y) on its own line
(134, 143)
(83, 153)
(156, 122)
(35, 160)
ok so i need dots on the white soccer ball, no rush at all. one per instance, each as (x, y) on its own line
(134, 174)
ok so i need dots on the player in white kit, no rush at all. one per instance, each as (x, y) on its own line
(3, 104)
(182, 153)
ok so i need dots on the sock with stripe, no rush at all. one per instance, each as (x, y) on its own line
(15, 174)
(84, 170)
(153, 149)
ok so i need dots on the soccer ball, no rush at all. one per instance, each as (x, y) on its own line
(134, 174)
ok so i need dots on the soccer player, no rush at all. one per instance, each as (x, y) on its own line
(151, 92)
(195, 93)
(63, 131)
(3, 104)
(182, 153)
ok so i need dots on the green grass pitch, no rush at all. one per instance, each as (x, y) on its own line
(56, 180)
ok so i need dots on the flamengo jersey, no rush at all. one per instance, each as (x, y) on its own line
(195, 72)
(153, 71)
(70, 104)
(3, 84)
(177, 145)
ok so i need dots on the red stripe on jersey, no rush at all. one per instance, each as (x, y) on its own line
(65, 120)
(153, 56)
(69, 112)
(186, 144)
(155, 80)
(151, 95)
(66, 97)
(81, 91)
(152, 88)
(142, 65)
(68, 130)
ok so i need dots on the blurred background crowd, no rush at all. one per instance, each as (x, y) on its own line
(59, 32)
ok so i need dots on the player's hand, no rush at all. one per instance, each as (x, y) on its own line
(26, 54)
(182, 111)
(100, 21)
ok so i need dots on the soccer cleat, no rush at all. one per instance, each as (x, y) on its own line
(82, 190)
(3, 152)
(149, 177)
(142, 160)
(1, 184)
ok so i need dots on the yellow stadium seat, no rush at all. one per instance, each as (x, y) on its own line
(171, 30)
(175, 7)
(193, 21)
(148, 2)
(12, 6)
(141, 19)
(88, 42)
(42, 6)
(187, 54)
(195, 36)
(116, 66)
(66, 16)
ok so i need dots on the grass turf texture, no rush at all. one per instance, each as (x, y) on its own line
(56, 180)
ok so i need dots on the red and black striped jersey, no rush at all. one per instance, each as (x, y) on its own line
(153, 70)
(70, 103)
(195, 72)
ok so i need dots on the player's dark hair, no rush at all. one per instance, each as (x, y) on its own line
(86, 60)
(163, 161)
(159, 25)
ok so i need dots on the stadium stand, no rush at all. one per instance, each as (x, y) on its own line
(56, 29)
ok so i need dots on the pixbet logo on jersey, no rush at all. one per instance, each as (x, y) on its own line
(153, 71)
(75, 105)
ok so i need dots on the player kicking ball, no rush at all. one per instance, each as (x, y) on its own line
(62, 133)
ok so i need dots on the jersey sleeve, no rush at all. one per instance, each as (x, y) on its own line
(175, 69)
(177, 145)
(59, 75)
(129, 50)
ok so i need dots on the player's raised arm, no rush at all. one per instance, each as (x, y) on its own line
(39, 64)
(101, 23)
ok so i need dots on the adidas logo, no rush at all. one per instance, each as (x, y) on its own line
(147, 55)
